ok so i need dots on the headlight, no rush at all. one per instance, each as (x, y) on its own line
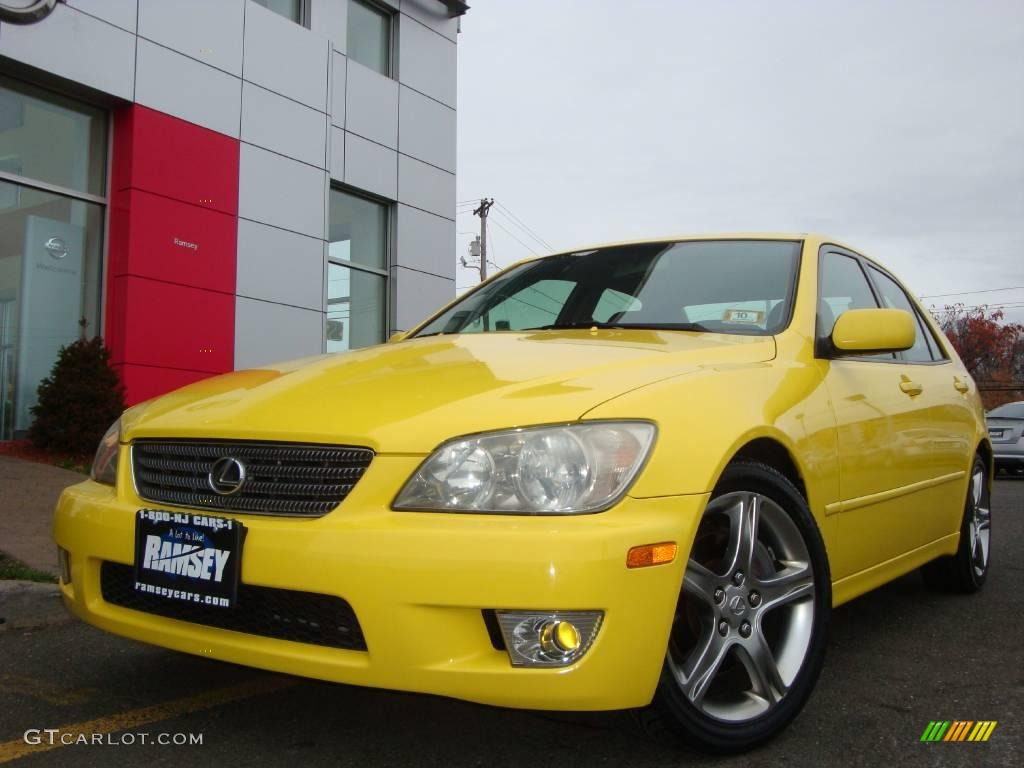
(563, 470)
(104, 465)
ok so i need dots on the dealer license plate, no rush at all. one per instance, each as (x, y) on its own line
(188, 556)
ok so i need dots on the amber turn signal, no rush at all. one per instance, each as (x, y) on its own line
(651, 554)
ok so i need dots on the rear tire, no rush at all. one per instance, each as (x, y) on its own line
(748, 639)
(967, 570)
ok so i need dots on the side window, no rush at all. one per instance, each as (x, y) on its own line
(895, 298)
(535, 306)
(843, 287)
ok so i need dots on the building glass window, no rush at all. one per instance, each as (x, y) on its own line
(369, 36)
(290, 9)
(356, 272)
(51, 139)
(52, 161)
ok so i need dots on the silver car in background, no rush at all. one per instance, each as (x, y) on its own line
(1006, 430)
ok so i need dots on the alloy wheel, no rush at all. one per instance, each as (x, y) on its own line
(979, 523)
(746, 613)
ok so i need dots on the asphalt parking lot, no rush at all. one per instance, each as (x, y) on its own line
(897, 659)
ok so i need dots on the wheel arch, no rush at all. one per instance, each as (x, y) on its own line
(773, 453)
(774, 448)
(984, 450)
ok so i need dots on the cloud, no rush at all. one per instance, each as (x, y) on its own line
(896, 126)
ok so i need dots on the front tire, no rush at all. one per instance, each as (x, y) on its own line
(748, 638)
(967, 570)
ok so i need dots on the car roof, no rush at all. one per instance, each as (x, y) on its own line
(796, 236)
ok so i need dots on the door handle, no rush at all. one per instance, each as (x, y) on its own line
(911, 388)
(960, 385)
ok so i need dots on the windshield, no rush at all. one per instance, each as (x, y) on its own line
(1008, 411)
(721, 286)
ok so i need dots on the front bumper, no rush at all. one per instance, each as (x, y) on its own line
(418, 583)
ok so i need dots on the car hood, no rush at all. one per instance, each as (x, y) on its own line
(410, 396)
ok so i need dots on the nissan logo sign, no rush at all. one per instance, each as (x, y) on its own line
(25, 11)
(56, 247)
(227, 476)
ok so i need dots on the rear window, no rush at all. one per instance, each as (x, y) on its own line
(1008, 411)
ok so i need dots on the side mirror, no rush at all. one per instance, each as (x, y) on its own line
(396, 336)
(873, 331)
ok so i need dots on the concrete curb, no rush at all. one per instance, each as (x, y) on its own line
(26, 605)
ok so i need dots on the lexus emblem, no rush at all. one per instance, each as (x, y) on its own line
(56, 247)
(25, 11)
(227, 476)
(738, 605)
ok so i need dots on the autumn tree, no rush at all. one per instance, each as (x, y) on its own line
(991, 349)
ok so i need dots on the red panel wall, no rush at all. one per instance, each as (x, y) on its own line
(176, 242)
(162, 154)
(172, 252)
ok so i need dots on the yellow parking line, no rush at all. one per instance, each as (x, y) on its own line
(12, 750)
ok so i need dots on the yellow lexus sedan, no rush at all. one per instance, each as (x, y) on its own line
(636, 476)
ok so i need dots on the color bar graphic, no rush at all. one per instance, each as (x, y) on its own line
(959, 730)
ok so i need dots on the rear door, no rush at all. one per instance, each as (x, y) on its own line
(945, 404)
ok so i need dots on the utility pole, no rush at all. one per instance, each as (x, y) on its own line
(481, 211)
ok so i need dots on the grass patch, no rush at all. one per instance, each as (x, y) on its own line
(75, 465)
(11, 569)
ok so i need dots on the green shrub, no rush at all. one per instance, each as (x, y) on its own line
(78, 400)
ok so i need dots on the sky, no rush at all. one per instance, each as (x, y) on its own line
(897, 127)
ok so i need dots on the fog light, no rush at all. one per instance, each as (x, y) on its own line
(548, 639)
(64, 557)
(559, 637)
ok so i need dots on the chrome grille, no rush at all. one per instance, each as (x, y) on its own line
(293, 479)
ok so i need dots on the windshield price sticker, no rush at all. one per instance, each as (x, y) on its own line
(743, 316)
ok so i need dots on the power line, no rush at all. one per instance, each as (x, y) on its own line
(499, 225)
(490, 247)
(542, 246)
(525, 228)
(955, 307)
(1016, 305)
(965, 293)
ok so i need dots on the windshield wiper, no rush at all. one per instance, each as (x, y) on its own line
(621, 326)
